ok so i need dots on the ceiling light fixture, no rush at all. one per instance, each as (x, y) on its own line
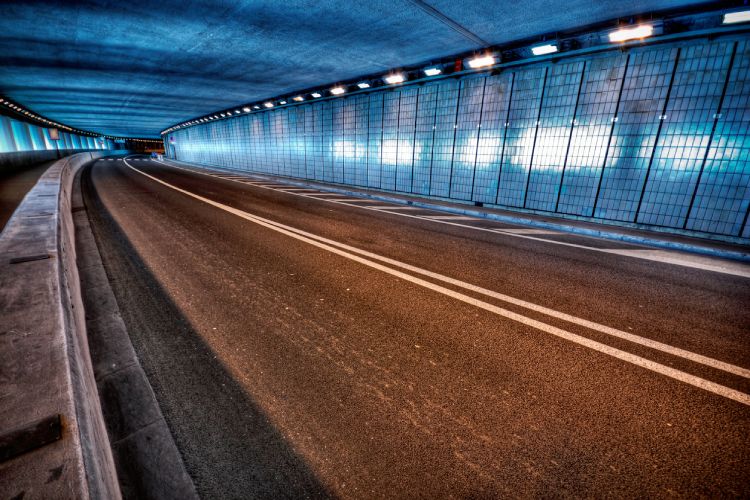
(481, 62)
(337, 90)
(637, 32)
(742, 16)
(543, 50)
(394, 78)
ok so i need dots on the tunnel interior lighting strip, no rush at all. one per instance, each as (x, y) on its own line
(594, 39)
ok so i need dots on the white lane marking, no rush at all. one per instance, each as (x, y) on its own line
(528, 231)
(347, 199)
(394, 207)
(607, 330)
(318, 194)
(716, 265)
(295, 233)
(298, 190)
(449, 217)
(681, 260)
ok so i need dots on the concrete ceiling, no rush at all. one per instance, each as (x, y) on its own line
(133, 68)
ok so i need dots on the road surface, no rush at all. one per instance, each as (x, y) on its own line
(303, 343)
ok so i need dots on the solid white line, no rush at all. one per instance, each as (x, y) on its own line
(389, 207)
(528, 231)
(630, 337)
(678, 259)
(449, 217)
(346, 199)
(594, 345)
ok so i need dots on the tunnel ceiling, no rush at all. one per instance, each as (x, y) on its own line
(133, 68)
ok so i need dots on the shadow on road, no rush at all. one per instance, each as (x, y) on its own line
(229, 446)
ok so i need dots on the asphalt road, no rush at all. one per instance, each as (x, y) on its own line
(304, 347)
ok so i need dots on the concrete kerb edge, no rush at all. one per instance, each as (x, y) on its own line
(82, 456)
(147, 459)
(595, 233)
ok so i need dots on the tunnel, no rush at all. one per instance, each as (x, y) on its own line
(384, 249)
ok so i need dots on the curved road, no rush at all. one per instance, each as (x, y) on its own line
(305, 347)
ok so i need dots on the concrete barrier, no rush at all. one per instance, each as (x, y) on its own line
(18, 160)
(53, 441)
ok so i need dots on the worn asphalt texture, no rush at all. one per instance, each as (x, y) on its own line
(284, 370)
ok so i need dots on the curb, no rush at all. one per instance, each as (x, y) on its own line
(148, 463)
(47, 371)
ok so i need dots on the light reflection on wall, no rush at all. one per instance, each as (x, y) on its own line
(18, 136)
(512, 140)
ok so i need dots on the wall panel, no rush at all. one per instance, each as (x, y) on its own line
(655, 136)
(520, 135)
(597, 106)
(642, 103)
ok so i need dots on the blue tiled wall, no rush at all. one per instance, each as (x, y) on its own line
(656, 136)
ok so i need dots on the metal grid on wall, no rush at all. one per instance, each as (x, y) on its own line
(655, 136)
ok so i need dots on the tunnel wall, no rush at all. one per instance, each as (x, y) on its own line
(19, 136)
(655, 136)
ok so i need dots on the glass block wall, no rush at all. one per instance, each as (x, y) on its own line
(17, 136)
(655, 136)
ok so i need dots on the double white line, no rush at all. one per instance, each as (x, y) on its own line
(377, 262)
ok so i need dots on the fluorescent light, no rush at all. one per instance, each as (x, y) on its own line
(625, 34)
(246, 110)
(481, 62)
(282, 102)
(299, 98)
(363, 85)
(268, 104)
(256, 107)
(237, 111)
(395, 78)
(432, 71)
(541, 50)
(337, 90)
(742, 16)
(315, 95)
